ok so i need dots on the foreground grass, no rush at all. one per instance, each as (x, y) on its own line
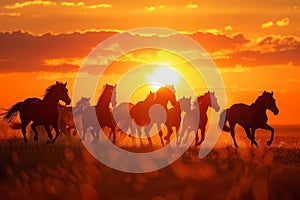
(67, 171)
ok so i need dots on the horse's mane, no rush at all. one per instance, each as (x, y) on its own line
(51, 88)
(79, 102)
(257, 100)
(103, 93)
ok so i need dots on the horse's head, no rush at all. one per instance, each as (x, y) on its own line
(165, 94)
(60, 91)
(270, 102)
(185, 104)
(110, 90)
(150, 98)
(84, 103)
(211, 100)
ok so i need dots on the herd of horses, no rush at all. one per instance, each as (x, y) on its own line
(138, 118)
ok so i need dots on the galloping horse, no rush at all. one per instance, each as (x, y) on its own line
(40, 112)
(140, 115)
(250, 117)
(68, 115)
(189, 121)
(163, 96)
(100, 116)
(174, 116)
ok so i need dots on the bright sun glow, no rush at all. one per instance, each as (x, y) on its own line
(163, 76)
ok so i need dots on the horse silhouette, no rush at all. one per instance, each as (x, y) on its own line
(250, 117)
(40, 112)
(163, 96)
(174, 116)
(190, 122)
(100, 116)
(122, 116)
(68, 115)
(140, 115)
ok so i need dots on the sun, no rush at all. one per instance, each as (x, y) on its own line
(162, 75)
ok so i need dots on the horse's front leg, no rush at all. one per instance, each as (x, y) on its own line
(49, 134)
(267, 127)
(253, 137)
(160, 133)
(147, 130)
(55, 126)
(202, 129)
(33, 127)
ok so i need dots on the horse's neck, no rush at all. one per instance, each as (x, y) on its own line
(51, 101)
(104, 104)
(176, 108)
(260, 107)
(162, 102)
(203, 107)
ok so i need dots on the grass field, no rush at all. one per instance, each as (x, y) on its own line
(66, 170)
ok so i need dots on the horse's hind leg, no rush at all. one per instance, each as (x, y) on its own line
(147, 131)
(55, 126)
(267, 127)
(24, 125)
(49, 134)
(233, 134)
(250, 136)
(33, 127)
(202, 129)
(253, 136)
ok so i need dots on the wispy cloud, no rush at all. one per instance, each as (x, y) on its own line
(29, 3)
(53, 3)
(267, 25)
(10, 14)
(152, 8)
(228, 28)
(62, 61)
(283, 22)
(191, 5)
(49, 76)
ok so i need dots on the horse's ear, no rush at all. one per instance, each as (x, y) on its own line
(56, 82)
(89, 98)
(272, 93)
(190, 98)
(65, 84)
(213, 92)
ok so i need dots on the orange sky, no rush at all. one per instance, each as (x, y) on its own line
(255, 44)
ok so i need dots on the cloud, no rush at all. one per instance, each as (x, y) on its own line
(152, 8)
(192, 5)
(24, 52)
(62, 61)
(283, 22)
(55, 76)
(53, 3)
(267, 25)
(10, 14)
(228, 28)
(29, 3)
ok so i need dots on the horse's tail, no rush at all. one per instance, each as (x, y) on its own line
(11, 113)
(224, 127)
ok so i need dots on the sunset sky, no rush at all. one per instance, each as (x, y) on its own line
(255, 44)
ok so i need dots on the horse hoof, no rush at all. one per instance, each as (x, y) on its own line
(269, 143)
(49, 142)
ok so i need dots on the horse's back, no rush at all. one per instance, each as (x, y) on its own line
(239, 113)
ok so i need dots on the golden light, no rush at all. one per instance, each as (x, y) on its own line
(163, 75)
